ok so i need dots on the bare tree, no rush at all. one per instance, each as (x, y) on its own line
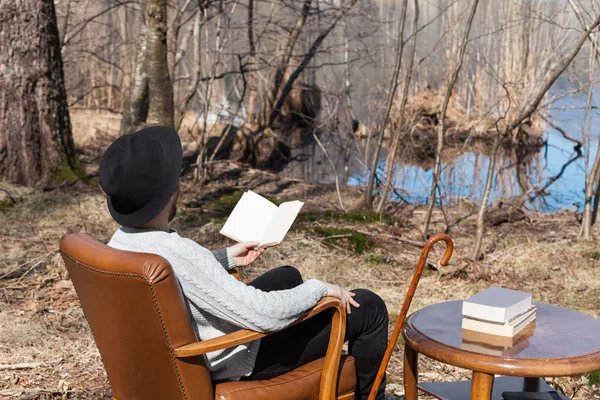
(36, 144)
(528, 109)
(401, 130)
(592, 177)
(283, 64)
(196, 70)
(252, 75)
(173, 33)
(442, 126)
(135, 108)
(160, 93)
(287, 88)
(367, 199)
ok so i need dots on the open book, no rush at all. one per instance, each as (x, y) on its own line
(256, 219)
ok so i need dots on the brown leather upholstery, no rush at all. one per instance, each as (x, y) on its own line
(137, 314)
(299, 384)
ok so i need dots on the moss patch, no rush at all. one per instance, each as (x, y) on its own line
(8, 203)
(374, 258)
(352, 217)
(222, 202)
(594, 255)
(225, 203)
(67, 173)
(594, 378)
(359, 242)
(42, 204)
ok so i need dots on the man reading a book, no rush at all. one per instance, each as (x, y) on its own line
(140, 175)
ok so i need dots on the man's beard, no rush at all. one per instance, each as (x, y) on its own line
(173, 210)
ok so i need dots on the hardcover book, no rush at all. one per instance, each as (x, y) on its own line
(497, 304)
(508, 329)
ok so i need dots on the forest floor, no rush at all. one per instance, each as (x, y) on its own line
(46, 348)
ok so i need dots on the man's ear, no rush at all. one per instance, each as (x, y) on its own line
(175, 193)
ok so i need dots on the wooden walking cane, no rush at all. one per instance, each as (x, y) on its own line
(409, 296)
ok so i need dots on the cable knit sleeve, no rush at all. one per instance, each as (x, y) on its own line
(224, 258)
(208, 285)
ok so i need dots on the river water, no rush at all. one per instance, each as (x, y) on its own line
(463, 176)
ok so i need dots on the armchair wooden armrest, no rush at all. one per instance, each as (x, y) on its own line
(327, 388)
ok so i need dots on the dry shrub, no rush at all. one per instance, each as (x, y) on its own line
(422, 120)
(302, 105)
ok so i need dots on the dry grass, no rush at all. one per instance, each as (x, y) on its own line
(41, 322)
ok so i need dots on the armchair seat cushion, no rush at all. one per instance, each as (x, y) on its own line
(299, 384)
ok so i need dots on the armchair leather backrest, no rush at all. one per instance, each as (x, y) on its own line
(135, 308)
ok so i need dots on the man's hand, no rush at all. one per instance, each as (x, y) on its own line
(244, 254)
(344, 295)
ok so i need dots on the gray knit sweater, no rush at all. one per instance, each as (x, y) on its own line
(219, 303)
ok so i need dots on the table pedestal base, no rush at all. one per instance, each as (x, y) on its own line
(462, 390)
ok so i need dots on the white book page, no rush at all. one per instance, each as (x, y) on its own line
(250, 218)
(281, 223)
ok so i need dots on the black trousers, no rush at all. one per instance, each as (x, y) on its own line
(366, 333)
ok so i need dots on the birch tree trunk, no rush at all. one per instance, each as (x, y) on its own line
(135, 108)
(160, 93)
(590, 176)
(486, 196)
(195, 78)
(252, 75)
(36, 144)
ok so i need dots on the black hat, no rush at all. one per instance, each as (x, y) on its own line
(139, 173)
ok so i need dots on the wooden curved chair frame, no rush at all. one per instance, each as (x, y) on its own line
(328, 383)
(407, 301)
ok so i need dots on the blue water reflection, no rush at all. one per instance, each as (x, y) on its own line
(463, 176)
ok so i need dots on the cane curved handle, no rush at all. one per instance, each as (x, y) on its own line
(407, 301)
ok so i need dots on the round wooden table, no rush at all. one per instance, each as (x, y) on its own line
(561, 342)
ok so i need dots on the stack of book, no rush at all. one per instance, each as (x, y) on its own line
(498, 311)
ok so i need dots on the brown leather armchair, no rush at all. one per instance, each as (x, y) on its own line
(140, 323)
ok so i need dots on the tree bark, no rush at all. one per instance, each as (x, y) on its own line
(486, 196)
(135, 108)
(160, 111)
(252, 75)
(590, 176)
(173, 33)
(36, 144)
(195, 78)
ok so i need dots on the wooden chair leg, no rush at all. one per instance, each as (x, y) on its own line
(411, 368)
(481, 386)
